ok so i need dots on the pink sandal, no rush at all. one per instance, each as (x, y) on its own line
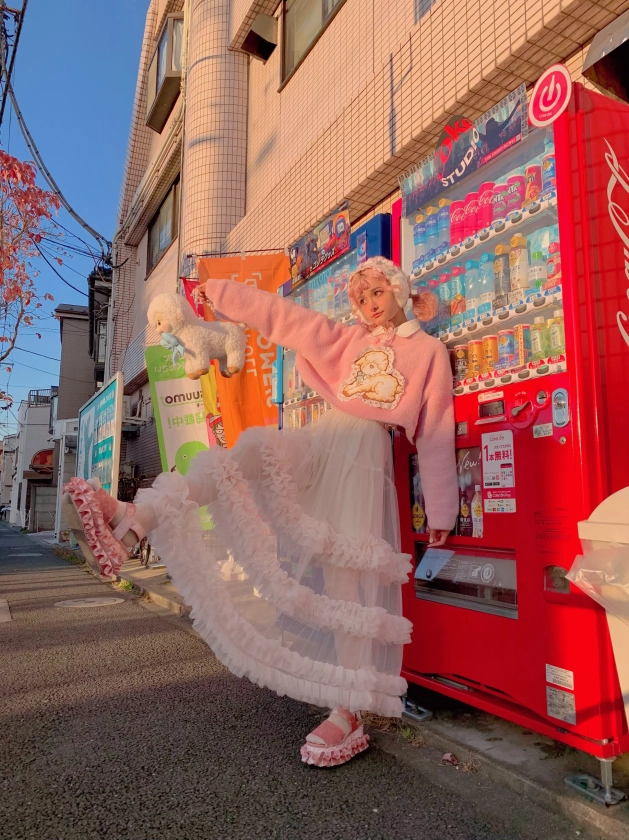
(95, 509)
(330, 744)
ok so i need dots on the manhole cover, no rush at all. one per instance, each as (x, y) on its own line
(90, 602)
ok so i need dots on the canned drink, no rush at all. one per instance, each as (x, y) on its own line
(533, 178)
(457, 222)
(485, 204)
(506, 348)
(516, 188)
(522, 339)
(490, 353)
(549, 174)
(474, 358)
(461, 363)
(499, 203)
(470, 221)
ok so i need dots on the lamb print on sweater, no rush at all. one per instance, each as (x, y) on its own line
(407, 383)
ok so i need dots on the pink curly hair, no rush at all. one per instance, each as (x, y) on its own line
(425, 304)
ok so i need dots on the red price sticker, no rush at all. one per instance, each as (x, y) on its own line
(550, 96)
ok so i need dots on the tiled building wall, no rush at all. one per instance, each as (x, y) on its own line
(215, 149)
(371, 97)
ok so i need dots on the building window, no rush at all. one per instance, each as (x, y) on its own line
(304, 21)
(101, 341)
(164, 78)
(163, 228)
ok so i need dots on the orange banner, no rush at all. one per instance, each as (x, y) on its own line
(245, 400)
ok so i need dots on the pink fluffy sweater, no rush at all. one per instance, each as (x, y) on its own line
(407, 383)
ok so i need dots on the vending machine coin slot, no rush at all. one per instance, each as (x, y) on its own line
(560, 408)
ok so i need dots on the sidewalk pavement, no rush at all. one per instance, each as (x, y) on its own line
(532, 765)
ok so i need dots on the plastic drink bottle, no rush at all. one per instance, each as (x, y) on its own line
(553, 265)
(518, 266)
(443, 224)
(419, 236)
(537, 272)
(432, 327)
(444, 302)
(487, 283)
(539, 339)
(457, 295)
(502, 275)
(432, 231)
(477, 512)
(556, 333)
(472, 289)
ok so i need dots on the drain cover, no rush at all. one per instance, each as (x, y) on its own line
(90, 602)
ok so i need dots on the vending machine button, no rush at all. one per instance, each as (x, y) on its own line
(524, 374)
(459, 390)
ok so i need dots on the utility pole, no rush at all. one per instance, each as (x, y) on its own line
(8, 44)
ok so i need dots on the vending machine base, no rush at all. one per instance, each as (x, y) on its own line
(597, 790)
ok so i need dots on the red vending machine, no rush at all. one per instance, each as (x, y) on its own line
(534, 308)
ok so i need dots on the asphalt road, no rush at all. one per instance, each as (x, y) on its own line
(117, 723)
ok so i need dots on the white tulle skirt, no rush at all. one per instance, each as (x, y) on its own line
(298, 583)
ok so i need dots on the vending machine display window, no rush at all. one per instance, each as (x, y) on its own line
(489, 249)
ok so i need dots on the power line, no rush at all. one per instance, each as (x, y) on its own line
(9, 72)
(46, 173)
(33, 353)
(45, 258)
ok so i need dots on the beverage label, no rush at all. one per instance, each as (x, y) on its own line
(533, 189)
(419, 234)
(549, 174)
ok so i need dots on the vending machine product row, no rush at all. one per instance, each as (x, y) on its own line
(529, 257)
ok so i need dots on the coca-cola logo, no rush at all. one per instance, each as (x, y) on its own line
(485, 198)
(457, 214)
(620, 220)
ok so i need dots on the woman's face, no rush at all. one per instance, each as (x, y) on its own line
(377, 302)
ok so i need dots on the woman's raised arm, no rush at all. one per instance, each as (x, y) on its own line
(280, 321)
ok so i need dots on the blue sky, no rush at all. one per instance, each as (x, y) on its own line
(75, 75)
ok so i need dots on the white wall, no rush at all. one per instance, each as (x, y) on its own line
(33, 436)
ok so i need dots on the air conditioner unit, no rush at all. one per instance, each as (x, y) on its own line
(607, 61)
(261, 39)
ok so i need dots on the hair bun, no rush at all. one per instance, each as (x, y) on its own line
(425, 305)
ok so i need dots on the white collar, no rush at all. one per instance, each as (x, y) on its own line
(405, 330)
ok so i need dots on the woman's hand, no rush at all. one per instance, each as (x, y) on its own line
(437, 537)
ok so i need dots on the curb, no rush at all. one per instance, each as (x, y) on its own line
(161, 600)
(565, 805)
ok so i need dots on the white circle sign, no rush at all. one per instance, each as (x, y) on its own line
(550, 96)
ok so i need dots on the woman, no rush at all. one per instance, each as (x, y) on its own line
(298, 584)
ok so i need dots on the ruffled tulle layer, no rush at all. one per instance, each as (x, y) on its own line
(109, 553)
(296, 585)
